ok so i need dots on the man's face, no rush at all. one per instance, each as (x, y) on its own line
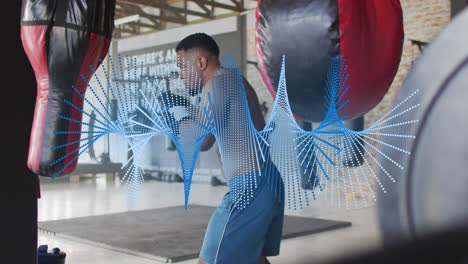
(190, 73)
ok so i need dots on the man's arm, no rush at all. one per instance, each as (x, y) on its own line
(210, 138)
(254, 106)
(255, 113)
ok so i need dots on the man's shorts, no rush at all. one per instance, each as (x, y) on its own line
(244, 235)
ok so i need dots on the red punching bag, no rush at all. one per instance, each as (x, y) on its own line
(62, 39)
(367, 34)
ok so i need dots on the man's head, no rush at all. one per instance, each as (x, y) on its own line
(197, 54)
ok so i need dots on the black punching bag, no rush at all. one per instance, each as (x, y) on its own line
(367, 34)
(62, 39)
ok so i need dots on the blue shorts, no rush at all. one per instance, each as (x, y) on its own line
(244, 235)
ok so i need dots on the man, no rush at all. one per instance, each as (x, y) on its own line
(233, 235)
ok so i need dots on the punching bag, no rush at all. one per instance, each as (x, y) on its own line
(62, 39)
(367, 34)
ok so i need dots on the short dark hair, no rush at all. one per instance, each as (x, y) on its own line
(199, 40)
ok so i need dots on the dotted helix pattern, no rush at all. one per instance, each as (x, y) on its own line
(282, 156)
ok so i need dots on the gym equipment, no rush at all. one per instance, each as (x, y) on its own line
(177, 178)
(171, 177)
(65, 42)
(158, 177)
(431, 191)
(139, 117)
(368, 35)
(50, 257)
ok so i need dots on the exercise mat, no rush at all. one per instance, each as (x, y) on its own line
(168, 235)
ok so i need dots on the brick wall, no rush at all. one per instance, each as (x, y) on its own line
(422, 19)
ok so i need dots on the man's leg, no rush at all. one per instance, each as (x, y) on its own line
(214, 231)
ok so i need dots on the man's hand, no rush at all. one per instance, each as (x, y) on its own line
(208, 142)
(175, 110)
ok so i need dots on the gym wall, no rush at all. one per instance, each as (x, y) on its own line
(422, 20)
(150, 46)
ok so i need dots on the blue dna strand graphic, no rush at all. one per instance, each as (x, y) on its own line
(282, 156)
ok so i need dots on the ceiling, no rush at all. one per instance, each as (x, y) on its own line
(133, 17)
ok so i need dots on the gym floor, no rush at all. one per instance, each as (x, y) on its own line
(103, 194)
